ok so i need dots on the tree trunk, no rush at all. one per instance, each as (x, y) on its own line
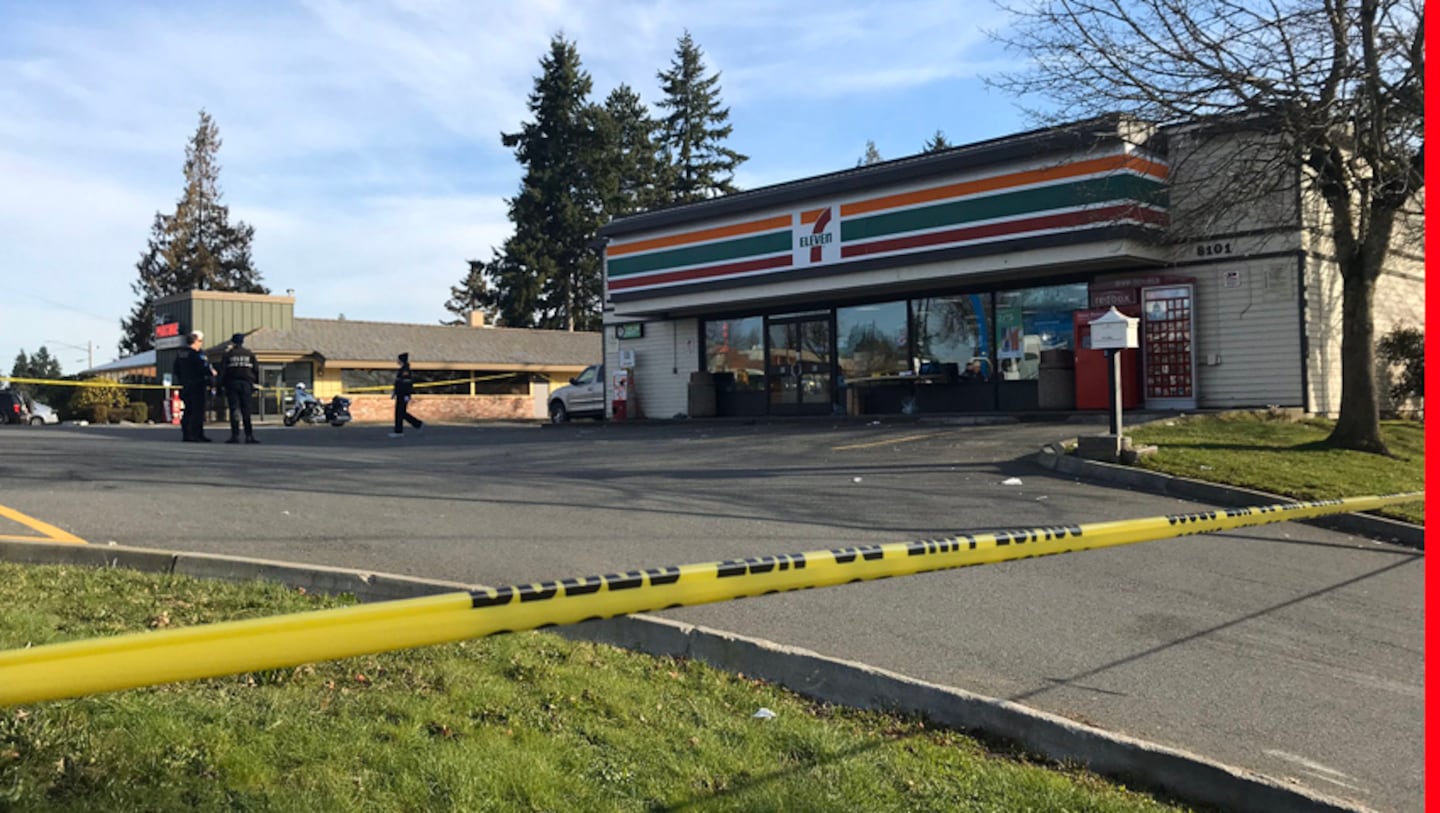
(1358, 426)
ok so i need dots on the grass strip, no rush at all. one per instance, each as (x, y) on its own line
(1287, 457)
(516, 722)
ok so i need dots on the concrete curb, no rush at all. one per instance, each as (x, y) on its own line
(1373, 527)
(1187, 777)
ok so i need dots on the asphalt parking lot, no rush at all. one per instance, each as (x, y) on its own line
(1288, 650)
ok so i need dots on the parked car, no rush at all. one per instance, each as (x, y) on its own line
(41, 414)
(584, 398)
(12, 407)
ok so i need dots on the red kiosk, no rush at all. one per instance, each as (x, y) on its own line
(1092, 369)
(1160, 374)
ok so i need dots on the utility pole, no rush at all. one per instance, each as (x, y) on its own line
(89, 349)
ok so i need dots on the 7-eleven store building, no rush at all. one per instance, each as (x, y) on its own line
(964, 281)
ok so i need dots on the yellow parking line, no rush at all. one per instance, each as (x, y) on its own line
(52, 534)
(886, 442)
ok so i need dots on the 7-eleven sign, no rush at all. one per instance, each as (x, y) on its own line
(817, 240)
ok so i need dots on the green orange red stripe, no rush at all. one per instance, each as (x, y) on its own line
(1012, 228)
(701, 273)
(700, 236)
(1049, 174)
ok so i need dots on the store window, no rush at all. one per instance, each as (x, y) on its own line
(735, 348)
(1032, 320)
(873, 340)
(438, 382)
(950, 331)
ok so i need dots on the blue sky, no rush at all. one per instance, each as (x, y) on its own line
(361, 139)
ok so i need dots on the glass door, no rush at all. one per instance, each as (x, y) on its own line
(798, 365)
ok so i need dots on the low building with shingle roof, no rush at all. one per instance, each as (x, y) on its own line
(471, 371)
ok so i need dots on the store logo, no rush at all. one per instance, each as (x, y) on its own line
(816, 233)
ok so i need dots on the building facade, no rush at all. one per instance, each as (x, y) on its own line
(462, 372)
(964, 280)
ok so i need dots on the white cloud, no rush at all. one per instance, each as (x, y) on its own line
(361, 139)
(385, 259)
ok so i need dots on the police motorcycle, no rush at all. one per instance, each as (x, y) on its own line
(306, 407)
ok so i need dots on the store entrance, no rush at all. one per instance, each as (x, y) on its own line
(798, 367)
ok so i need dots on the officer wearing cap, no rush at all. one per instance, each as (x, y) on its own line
(239, 377)
(404, 389)
(192, 371)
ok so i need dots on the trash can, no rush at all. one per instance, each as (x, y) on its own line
(1057, 379)
(701, 392)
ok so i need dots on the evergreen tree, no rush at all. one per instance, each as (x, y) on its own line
(937, 142)
(40, 365)
(634, 176)
(693, 133)
(20, 369)
(559, 208)
(468, 296)
(872, 155)
(515, 293)
(195, 248)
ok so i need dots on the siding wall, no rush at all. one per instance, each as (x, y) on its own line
(1248, 337)
(1399, 301)
(221, 318)
(664, 359)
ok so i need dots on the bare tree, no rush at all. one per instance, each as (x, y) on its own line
(1333, 89)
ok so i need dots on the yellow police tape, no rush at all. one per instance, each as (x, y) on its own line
(149, 658)
(104, 382)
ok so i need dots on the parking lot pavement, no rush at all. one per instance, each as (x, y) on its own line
(1289, 650)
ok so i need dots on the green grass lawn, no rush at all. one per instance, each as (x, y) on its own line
(1287, 457)
(515, 722)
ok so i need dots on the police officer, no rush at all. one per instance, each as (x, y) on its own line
(404, 389)
(193, 372)
(239, 377)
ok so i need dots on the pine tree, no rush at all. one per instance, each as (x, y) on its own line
(872, 155)
(195, 248)
(514, 292)
(468, 296)
(20, 369)
(693, 133)
(937, 142)
(559, 208)
(40, 365)
(633, 174)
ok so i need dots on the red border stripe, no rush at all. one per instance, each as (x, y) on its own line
(1016, 227)
(693, 274)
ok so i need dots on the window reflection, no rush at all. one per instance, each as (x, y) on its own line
(873, 340)
(736, 347)
(950, 333)
(1031, 320)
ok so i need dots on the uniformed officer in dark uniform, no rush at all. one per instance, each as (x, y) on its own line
(240, 376)
(404, 390)
(193, 373)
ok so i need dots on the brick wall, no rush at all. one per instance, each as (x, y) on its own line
(445, 408)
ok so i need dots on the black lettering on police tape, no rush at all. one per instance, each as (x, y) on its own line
(582, 586)
(925, 547)
(490, 598)
(628, 580)
(845, 556)
(1200, 516)
(759, 564)
(538, 592)
(663, 575)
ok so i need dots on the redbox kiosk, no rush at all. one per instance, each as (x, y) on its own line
(1092, 374)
